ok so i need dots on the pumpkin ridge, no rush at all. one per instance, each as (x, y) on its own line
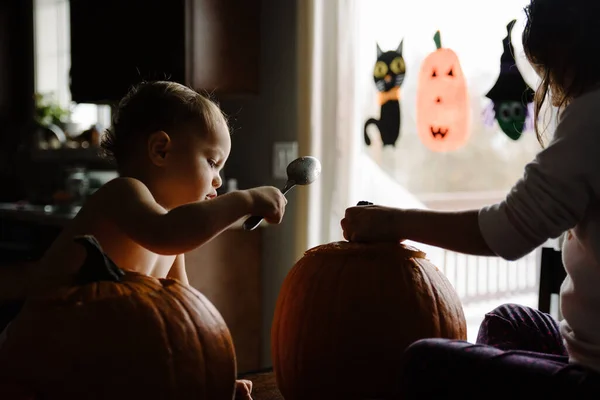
(67, 295)
(209, 348)
(435, 290)
(433, 299)
(209, 307)
(280, 320)
(306, 295)
(339, 304)
(443, 285)
(309, 275)
(339, 298)
(317, 286)
(404, 251)
(458, 313)
(183, 297)
(197, 334)
(158, 317)
(411, 276)
(150, 285)
(170, 361)
(274, 334)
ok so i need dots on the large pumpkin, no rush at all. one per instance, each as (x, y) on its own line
(443, 106)
(347, 311)
(116, 334)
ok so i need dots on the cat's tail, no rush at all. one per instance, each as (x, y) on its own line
(370, 121)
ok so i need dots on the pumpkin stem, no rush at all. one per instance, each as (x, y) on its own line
(438, 40)
(97, 266)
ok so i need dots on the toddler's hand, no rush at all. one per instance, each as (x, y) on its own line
(243, 389)
(371, 224)
(269, 203)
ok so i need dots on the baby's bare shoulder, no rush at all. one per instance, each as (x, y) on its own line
(120, 192)
(123, 186)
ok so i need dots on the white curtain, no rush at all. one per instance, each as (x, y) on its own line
(330, 117)
(332, 111)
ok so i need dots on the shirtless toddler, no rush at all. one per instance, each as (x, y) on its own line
(169, 144)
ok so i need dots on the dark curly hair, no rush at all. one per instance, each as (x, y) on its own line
(561, 40)
(156, 106)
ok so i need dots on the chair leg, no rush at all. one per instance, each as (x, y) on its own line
(545, 292)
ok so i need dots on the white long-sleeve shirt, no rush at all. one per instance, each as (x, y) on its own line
(559, 192)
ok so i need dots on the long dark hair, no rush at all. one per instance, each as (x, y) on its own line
(562, 40)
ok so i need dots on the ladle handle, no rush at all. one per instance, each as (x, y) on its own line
(252, 222)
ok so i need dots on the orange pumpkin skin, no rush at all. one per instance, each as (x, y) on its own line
(135, 338)
(443, 105)
(347, 311)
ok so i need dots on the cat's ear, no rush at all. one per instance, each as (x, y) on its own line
(400, 46)
(379, 52)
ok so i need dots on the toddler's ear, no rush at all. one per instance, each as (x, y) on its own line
(159, 145)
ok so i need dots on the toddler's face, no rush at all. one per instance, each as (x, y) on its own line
(195, 162)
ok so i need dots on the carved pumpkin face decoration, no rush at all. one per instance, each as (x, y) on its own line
(443, 106)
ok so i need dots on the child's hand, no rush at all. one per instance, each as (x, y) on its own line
(243, 389)
(269, 203)
(371, 224)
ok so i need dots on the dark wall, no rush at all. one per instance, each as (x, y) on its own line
(16, 87)
(258, 122)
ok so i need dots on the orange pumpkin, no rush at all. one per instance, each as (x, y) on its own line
(115, 334)
(347, 311)
(443, 106)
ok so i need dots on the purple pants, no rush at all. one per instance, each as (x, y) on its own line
(519, 354)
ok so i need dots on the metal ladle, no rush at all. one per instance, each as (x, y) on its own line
(302, 171)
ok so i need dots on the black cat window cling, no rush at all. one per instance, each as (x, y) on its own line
(511, 96)
(388, 74)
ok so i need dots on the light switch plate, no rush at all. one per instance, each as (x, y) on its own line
(283, 154)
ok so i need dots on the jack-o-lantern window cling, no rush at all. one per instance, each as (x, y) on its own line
(443, 106)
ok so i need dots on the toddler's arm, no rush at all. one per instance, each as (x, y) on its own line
(131, 207)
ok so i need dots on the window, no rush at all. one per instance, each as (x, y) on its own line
(52, 63)
(490, 162)
(339, 53)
